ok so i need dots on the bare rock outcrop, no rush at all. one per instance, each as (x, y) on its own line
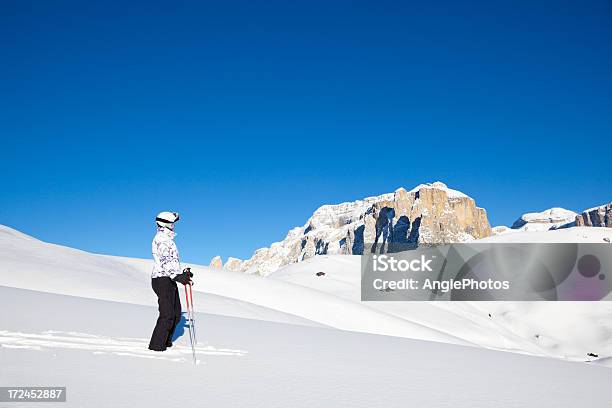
(233, 264)
(216, 263)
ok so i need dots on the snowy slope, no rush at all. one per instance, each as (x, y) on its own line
(539, 328)
(28, 263)
(295, 295)
(31, 264)
(559, 329)
(98, 341)
(99, 354)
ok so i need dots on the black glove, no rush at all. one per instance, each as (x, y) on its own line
(188, 271)
(183, 278)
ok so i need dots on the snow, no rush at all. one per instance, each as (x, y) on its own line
(555, 214)
(275, 341)
(596, 208)
(98, 344)
(32, 264)
(97, 354)
(574, 234)
(513, 326)
(438, 185)
(52, 268)
(501, 229)
(548, 219)
(296, 295)
(330, 214)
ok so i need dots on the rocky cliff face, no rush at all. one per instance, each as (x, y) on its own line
(233, 264)
(596, 217)
(428, 214)
(216, 263)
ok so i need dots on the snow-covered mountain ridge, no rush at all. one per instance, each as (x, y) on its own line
(552, 218)
(600, 216)
(556, 218)
(427, 214)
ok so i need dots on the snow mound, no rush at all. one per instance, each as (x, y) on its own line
(548, 219)
(438, 185)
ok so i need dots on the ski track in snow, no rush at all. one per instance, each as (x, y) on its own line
(121, 346)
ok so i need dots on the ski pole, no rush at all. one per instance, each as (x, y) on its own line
(192, 309)
(190, 333)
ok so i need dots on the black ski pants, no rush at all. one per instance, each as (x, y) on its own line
(169, 312)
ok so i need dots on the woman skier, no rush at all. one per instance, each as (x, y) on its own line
(166, 272)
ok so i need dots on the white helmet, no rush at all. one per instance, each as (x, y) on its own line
(167, 219)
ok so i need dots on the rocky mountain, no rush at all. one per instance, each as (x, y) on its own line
(216, 263)
(596, 217)
(428, 214)
(233, 264)
(553, 218)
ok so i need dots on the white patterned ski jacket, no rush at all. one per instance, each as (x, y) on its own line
(165, 254)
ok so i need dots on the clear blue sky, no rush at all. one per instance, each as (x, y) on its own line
(246, 117)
